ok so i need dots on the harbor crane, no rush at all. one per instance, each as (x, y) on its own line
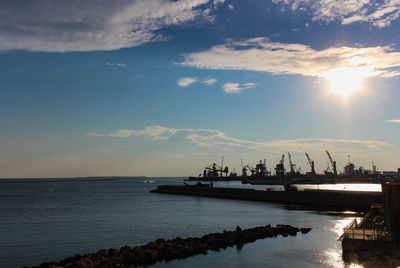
(311, 163)
(244, 170)
(333, 163)
(261, 168)
(247, 167)
(214, 170)
(292, 166)
(252, 170)
(373, 168)
(280, 168)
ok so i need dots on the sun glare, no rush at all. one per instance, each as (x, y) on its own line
(345, 81)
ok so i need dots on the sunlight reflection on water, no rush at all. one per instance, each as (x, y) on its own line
(364, 187)
(340, 224)
(354, 265)
(332, 258)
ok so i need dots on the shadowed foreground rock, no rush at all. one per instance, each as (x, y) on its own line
(178, 248)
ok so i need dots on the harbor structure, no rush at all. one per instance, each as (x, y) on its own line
(379, 229)
(279, 175)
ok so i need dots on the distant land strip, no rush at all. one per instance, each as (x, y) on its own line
(178, 248)
(72, 179)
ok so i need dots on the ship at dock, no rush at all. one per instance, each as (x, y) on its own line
(260, 175)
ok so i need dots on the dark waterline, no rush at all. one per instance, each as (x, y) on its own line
(53, 220)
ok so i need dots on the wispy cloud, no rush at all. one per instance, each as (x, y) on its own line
(259, 54)
(236, 87)
(379, 14)
(218, 2)
(186, 81)
(394, 120)
(61, 26)
(122, 133)
(211, 138)
(117, 64)
(209, 81)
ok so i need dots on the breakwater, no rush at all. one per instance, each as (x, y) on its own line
(178, 248)
(314, 199)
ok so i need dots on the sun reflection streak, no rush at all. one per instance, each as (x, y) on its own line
(332, 257)
(354, 265)
(340, 224)
(363, 187)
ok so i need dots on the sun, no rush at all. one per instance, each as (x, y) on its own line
(345, 81)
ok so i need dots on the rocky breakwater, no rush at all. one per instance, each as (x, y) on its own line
(178, 248)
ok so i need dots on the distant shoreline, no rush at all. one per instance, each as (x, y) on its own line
(69, 179)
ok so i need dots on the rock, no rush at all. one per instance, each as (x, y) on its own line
(305, 230)
(178, 248)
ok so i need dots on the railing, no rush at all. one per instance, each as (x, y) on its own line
(351, 231)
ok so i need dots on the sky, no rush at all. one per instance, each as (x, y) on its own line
(165, 88)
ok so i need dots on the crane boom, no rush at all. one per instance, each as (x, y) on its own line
(330, 158)
(311, 163)
(292, 169)
(333, 163)
(309, 159)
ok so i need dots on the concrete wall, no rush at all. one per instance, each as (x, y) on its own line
(317, 200)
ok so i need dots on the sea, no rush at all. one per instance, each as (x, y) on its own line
(48, 219)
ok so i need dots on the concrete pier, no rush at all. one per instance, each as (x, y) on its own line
(313, 199)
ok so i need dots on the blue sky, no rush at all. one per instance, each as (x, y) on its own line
(164, 88)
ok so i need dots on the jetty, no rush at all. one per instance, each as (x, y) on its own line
(323, 200)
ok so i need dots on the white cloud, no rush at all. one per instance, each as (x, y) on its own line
(209, 81)
(117, 64)
(230, 6)
(217, 2)
(348, 11)
(394, 121)
(61, 26)
(236, 87)
(211, 138)
(186, 81)
(259, 54)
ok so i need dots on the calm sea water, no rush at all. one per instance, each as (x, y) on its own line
(50, 219)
